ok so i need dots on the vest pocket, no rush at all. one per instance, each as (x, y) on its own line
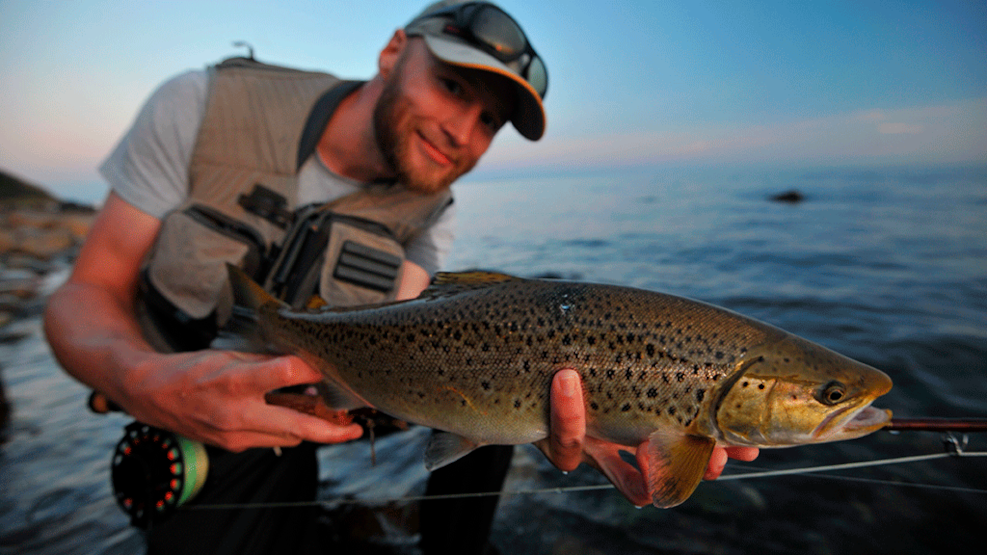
(361, 267)
(252, 259)
(367, 267)
(187, 266)
(344, 259)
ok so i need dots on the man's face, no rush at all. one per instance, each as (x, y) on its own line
(433, 121)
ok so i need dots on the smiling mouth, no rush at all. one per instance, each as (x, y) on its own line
(433, 152)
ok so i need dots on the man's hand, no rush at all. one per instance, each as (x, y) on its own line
(212, 396)
(567, 446)
(217, 397)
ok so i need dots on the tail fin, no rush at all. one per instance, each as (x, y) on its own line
(247, 293)
(242, 332)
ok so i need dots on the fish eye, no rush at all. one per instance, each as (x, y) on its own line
(832, 394)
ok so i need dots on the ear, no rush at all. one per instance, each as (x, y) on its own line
(392, 51)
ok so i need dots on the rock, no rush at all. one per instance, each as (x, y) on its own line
(35, 224)
(792, 197)
(43, 235)
(4, 412)
(17, 192)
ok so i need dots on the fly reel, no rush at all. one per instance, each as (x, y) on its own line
(154, 472)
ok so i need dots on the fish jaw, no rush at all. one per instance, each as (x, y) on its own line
(851, 424)
(792, 392)
(860, 418)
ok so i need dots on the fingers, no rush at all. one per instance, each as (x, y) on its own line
(274, 373)
(568, 421)
(716, 464)
(317, 430)
(262, 425)
(718, 461)
(746, 454)
(292, 370)
(230, 410)
(630, 481)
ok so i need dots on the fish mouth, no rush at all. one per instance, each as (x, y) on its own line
(868, 420)
(852, 422)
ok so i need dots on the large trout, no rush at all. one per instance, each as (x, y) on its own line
(474, 356)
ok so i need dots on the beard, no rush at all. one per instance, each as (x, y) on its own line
(394, 129)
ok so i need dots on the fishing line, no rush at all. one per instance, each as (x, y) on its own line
(813, 471)
(846, 466)
(938, 487)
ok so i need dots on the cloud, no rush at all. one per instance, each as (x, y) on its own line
(871, 115)
(899, 129)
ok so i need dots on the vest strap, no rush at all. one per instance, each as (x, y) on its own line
(319, 118)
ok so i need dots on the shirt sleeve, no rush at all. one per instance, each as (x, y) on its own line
(149, 167)
(431, 248)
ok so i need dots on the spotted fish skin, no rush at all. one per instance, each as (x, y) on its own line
(475, 355)
(480, 361)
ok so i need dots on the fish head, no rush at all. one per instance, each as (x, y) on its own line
(793, 392)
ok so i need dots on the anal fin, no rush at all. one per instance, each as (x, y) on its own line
(444, 448)
(674, 465)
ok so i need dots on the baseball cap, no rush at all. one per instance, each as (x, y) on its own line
(482, 36)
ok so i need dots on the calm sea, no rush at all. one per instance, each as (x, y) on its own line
(886, 265)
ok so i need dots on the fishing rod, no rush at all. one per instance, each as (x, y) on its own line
(936, 424)
(154, 471)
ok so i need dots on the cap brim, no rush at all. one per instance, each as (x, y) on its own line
(529, 117)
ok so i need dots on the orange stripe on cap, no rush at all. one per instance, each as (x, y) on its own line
(513, 77)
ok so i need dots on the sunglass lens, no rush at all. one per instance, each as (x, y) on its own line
(537, 76)
(499, 32)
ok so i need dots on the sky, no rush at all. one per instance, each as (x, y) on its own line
(631, 83)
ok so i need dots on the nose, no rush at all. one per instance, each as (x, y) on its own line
(460, 124)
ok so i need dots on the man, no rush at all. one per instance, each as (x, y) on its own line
(203, 173)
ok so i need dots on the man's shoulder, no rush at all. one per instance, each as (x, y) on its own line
(252, 64)
(189, 88)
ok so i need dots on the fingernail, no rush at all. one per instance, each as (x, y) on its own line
(568, 383)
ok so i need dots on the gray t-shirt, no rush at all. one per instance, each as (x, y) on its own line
(149, 167)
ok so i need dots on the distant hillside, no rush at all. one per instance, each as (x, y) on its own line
(15, 191)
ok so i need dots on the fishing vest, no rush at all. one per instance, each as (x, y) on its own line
(261, 123)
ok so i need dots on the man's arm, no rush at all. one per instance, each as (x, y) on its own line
(212, 396)
(566, 446)
(414, 280)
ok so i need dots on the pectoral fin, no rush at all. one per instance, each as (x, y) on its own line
(444, 448)
(675, 464)
(339, 398)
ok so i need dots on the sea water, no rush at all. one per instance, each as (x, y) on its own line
(885, 265)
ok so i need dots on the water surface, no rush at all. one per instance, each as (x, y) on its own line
(888, 266)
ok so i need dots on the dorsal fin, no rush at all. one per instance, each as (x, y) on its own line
(449, 283)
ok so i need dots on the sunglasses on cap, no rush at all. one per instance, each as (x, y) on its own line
(493, 31)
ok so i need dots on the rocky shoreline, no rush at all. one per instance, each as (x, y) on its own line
(39, 236)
